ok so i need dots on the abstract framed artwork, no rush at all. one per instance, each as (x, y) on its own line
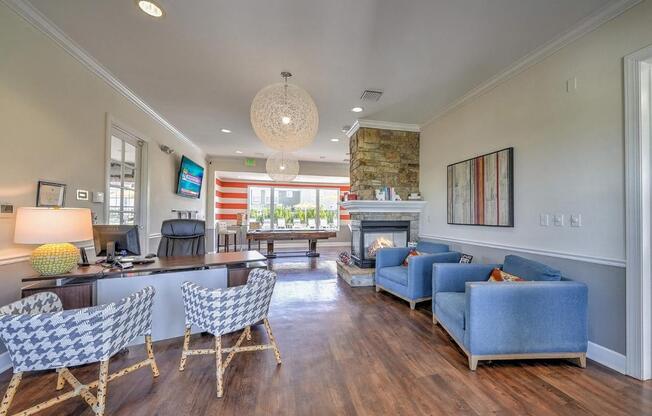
(481, 190)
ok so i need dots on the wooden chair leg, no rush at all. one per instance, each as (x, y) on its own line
(272, 341)
(102, 387)
(219, 371)
(413, 305)
(581, 361)
(61, 381)
(248, 329)
(434, 319)
(184, 353)
(473, 363)
(150, 355)
(11, 392)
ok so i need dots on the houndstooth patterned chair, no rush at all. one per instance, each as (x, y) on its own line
(40, 335)
(222, 311)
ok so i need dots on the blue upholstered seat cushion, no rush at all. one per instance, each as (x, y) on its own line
(432, 248)
(397, 274)
(450, 311)
(530, 269)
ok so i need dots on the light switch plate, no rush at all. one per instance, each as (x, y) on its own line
(559, 220)
(7, 210)
(82, 195)
(98, 197)
(575, 220)
(544, 220)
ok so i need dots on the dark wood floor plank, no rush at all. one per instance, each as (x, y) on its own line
(347, 351)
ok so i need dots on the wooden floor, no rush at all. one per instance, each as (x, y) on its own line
(348, 351)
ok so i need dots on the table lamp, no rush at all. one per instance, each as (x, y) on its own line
(55, 229)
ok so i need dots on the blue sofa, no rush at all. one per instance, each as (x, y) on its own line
(545, 317)
(414, 282)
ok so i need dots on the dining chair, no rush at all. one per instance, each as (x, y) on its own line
(40, 335)
(223, 311)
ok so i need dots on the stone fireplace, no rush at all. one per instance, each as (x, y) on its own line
(367, 234)
(381, 157)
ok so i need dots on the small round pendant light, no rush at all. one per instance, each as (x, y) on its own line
(284, 116)
(282, 167)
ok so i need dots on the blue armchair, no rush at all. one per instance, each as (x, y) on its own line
(414, 282)
(545, 317)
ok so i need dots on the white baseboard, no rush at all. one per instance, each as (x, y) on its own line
(607, 357)
(5, 362)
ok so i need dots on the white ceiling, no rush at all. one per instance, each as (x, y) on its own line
(201, 65)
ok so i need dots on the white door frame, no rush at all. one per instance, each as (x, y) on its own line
(143, 209)
(638, 205)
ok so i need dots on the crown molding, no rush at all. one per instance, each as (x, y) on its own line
(30, 14)
(584, 27)
(383, 125)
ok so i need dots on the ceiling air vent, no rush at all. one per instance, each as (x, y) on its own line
(371, 95)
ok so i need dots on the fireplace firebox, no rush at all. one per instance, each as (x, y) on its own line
(365, 232)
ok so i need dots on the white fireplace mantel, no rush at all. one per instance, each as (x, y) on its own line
(383, 206)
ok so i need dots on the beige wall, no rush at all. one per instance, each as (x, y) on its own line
(568, 159)
(53, 113)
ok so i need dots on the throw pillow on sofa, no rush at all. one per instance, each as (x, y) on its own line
(498, 275)
(411, 254)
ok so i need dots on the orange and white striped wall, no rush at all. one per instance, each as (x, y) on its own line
(231, 197)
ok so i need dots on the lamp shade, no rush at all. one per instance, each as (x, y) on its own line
(284, 117)
(282, 167)
(52, 225)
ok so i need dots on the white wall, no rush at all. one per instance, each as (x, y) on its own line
(53, 115)
(568, 159)
(568, 147)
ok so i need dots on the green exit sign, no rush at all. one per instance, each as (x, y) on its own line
(250, 162)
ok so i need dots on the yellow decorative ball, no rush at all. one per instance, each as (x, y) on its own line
(56, 258)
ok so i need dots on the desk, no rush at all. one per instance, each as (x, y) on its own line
(272, 235)
(85, 286)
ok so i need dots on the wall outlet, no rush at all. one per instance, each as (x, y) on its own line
(544, 220)
(575, 220)
(559, 220)
(98, 197)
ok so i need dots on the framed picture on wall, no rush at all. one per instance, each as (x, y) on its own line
(481, 190)
(50, 194)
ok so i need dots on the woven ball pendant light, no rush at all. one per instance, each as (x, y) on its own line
(282, 167)
(284, 116)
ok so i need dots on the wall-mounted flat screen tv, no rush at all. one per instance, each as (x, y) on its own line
(190, 178)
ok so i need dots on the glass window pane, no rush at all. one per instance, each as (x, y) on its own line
(114, 218)
(115, 173)
(130, 153)
(129, 177)
(329, 211)
(260, 199)
(295, 208)
(116, 149)
(128, 199)
(128, 218)
(114, 198)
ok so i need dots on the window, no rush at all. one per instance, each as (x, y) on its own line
(329, 210)
(295, 209)
(282, 208)
(260, 199)
(124, 171)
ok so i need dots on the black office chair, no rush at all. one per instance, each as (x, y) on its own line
(182, 238)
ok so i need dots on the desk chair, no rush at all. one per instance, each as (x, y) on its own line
(182, 238)
(223, 311)
(40, 335)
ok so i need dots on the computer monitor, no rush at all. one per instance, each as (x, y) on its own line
(110, 240)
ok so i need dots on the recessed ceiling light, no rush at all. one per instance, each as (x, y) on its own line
(345, 160)
(225, 131)
(357, 109)
(335, 140)
(239, 152)
(151, 8)
(322, 157)
(346, 128)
